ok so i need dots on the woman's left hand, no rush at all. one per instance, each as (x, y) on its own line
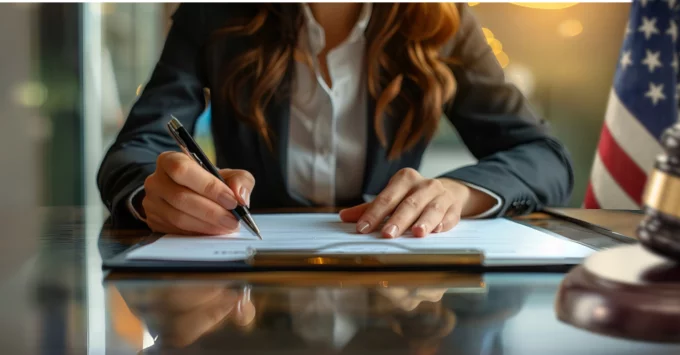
(414, 202)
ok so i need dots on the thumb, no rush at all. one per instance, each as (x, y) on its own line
(353, 214)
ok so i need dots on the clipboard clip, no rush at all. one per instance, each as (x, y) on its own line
(408, 257)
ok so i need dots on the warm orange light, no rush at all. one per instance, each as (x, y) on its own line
(487, 33)
(546, 5)
(473, 3)
(139, 89)
(503, 59)
(570, 28)
(495, 45)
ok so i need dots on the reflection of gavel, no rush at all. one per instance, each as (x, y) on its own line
(659, 231)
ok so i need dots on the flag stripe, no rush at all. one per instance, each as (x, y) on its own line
(607, 192)
(623, 169)
(627, 129)
(590, 200)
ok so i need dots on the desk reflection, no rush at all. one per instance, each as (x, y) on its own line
(196, 317)
(344, 312)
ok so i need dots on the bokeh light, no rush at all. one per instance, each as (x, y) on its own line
(30, 94)
(570, 28)
(487, 33)
(495, 45)
(503, 59)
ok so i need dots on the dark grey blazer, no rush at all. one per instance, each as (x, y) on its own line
(518, 159)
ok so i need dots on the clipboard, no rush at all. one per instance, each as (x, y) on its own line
(302, 259)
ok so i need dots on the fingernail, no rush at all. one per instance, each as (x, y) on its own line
(362, 226)
(227, 221)
(245, 196)
(439, 228)
(391, 231)
(422, 227)
(227, 202)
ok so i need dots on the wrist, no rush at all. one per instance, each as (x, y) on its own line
(135, 204)
(473, 201)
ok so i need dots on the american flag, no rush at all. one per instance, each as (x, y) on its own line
(642, 104)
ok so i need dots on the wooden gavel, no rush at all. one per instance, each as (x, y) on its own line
(659, 231)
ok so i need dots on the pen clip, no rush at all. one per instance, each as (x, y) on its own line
(182, 144)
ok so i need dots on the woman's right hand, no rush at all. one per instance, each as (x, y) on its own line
(183, 198)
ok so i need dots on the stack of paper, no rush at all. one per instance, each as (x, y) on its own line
(504, 242)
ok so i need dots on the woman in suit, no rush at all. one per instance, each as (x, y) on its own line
(331, 105)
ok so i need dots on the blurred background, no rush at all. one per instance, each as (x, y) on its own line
(85, 64)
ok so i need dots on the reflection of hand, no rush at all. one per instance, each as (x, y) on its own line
(182, 314)
(409, 299)
(424, 322)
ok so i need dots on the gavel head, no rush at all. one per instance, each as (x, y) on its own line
(659, 231)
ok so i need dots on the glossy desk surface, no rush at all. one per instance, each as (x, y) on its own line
(59, 301)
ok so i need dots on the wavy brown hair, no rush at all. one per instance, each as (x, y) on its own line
(406, 72)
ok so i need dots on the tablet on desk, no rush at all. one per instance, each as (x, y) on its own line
(322, 241)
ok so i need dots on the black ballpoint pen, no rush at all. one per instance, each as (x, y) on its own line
(191, 148)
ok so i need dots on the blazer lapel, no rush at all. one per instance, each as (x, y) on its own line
(378, 167)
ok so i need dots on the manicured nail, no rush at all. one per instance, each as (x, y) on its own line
(245, 196)
(391, 231)
(422, 228)
(227, 201)
(362, 226)
(439, 228)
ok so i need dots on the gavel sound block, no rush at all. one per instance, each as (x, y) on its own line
(633, 292)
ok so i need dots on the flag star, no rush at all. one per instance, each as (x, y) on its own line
(655, 93)
(626, 59)
(671, 3)
(674, 63)
(648, 27)
(672, 30)
(652, 60)
(644, 2)
(677, 93)
(628, 30)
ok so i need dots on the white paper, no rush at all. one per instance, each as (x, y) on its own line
(502, 241)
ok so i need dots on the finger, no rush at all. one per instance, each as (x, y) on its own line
(184, 221)
(188, 327)
(194, 204)
(412, 207)
(431, 295)
(432, 216)
(186, 172)
(385, 203)
(241, 183)
(244, 313)
(451, 218)
(353, 214)
(159, 225)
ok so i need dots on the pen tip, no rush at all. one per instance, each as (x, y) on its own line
(252, 226)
